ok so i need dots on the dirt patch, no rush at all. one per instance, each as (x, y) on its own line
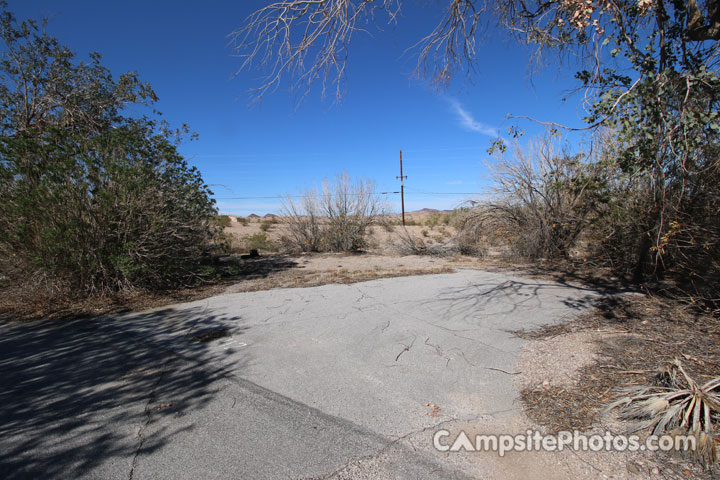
(321, 269)
(572, 371)
(556, 361)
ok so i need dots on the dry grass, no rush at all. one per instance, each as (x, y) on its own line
(652, 333)
(314, 279)
(263, 273)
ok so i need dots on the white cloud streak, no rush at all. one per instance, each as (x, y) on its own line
(468, 122)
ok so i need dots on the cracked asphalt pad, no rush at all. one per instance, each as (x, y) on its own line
(337, 381)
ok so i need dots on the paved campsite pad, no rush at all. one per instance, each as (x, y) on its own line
(301, 383)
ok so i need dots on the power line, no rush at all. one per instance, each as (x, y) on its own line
(444, 193)
(327, 195)
(300, 196)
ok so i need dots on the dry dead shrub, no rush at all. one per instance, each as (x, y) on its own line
(406, 244)
(545, 199)
(333, 217)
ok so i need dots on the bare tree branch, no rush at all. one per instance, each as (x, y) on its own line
(451, 44)
(307, 40)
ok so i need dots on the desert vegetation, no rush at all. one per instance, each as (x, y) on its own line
(91, 201)
(333, 217)
(545, 198)
(549, 204)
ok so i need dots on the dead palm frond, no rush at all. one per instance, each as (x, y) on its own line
(673, 409)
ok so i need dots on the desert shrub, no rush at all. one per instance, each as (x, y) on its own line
(409, 245)
(267, 224)
(260, 241)
(107, 221)
(90, 200)
(303, 221)
(229, 243)
(432, 220)
(242, 221)
(452, 218)
(388, 226)
(223, 221)
(406, 244)
(444, 232)
(468, 243)
(436, 219)
(545, 199)
(333, 217)
(663, 224)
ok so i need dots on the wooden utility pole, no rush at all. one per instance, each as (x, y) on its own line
(402, 190)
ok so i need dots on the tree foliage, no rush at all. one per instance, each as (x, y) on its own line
(91, 200)
(662, 99)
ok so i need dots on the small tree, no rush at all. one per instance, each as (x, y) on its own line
(90, 200)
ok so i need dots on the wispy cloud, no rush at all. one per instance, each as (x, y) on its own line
(455, 182)
(468, 122)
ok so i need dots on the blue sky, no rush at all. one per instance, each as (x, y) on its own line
(271, 149)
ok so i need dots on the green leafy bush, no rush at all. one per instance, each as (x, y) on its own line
(260, 241)
(91, 201)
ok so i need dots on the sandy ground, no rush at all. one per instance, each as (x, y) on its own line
(556, 362)
(309, 270)
(380, 239)
(357, 263)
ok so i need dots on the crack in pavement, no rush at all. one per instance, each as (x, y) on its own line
(407, 348)
(438, 350)
(153, 394)
(449, 330)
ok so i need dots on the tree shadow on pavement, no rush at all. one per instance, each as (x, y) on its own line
(506, 297)
(77, 395)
